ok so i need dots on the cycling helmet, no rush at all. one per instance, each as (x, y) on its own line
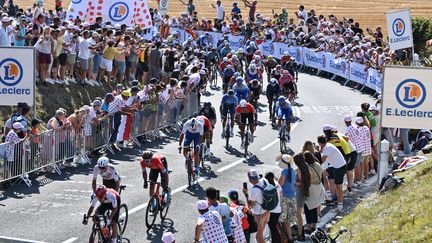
(225, 59)
(236, 74)
(229, 66)
(254, 81)
(101, 191)
(239, 79)
(234, 57)
(318, 236)
(285, 72)
(231, 92)
(278, 67)
(243, 103)
(232, 52)
(270, 57)
(286, 53)
(281, 99)
(257, 58)
(102, 161)
(252, 67)
(273, 81)
(240, 50)
(147, 154)
(193, 123)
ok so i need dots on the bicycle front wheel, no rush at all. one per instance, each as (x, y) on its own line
(282, 142)
(152, 211)
(246, 144)
(96, 236)
(165, 205)
(123, 218)
(190, 172)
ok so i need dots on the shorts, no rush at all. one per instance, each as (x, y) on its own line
(96, 63)
(290, 87)
(228, 108)
(363, 158)
(109, 183)
(71, 59)
(106, 64)
(55, 62)
(129, 64)
(44, 58)
(90, 64)
(339, 174)
(83, 64)
(351, 160)
(330, 172)
(154, 174)
(358, 159)
(191, 137)
(289, 210)
(246, 118)
(121, 67)
(63, 59)
(108, 206)
(300, 197)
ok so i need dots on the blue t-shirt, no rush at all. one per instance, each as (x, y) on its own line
(227, 100)
(288, 186)
(22, 33)
(236, 10)
(105, 106)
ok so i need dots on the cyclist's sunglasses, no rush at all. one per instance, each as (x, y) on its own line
(147, 161)
(102, 168)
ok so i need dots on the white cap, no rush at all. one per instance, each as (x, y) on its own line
(359, 120)
(117, 26)
(168, 237)
(348, 118)
(86, 107)
(6, 19)
(373, 108)
(202, 72)
(202, 205)
(326, 127)
(70, 26)
(333, 128)
(17, 125)
(243, 103)
(85, 25)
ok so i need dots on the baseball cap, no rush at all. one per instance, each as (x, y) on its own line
(109, 95)
(326, 127)
(348, 118)
(86, 107)
(119, 86)
(359, 120)
(373, 108)
(233, 195)
(96, 103)
(168, 237)
(333, 128)
(17, 125)
(202, 205)
(126, 93)
(134, 89)
(253, 174)
(6, 19)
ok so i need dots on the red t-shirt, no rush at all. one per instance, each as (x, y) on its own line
(155, 163)
(248, 109)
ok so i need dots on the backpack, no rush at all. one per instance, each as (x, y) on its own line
(270, 196)
(389, 183)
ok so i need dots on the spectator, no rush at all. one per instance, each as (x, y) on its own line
(255, 200)
(4, 39)
(235, 10)
(275, 213)
(302, 185)
(248, 222)
(44, 47)
(24, 120)
(252, 9)
(12, 152)
(366, 150)
(354, 138)
(209, 225)
(220, 11)
(168, 237)
(84, 55)
(288, 202)
(21, 35)
(223, 210)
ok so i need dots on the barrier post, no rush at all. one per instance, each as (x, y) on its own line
(24, 176)
(383, 160)
(54, 150)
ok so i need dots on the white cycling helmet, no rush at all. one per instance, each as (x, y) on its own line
(102, 161)
(252, 67)
(225, 59)
(243, 103)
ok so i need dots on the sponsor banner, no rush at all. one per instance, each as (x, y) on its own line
(150, 33)
(314, 59)
(358, 73)
(338, 66)
(278, 49)
(236, 41)
(407, 97)
(17, 75)
(77, 8)
(374, 80)
(119, 12)
(399, 29)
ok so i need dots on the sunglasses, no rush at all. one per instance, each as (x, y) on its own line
(147, 161)
(102, 168)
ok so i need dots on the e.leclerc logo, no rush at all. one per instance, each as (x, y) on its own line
(76, 1)
(11, 74)
(118, 11)
(398, 28)
(323, 61)
(410, 94)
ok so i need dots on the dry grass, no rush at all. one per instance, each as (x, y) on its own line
(369, 13)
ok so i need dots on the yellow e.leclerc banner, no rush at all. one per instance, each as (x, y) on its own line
(407, 97)
(17, 75)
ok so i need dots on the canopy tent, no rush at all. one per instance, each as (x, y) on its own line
(129, 12)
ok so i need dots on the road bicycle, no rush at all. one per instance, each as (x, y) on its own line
(283, 136)
(203, 153)
(158, 204)
(123, 213)
(214, 74)
(320, 236)
(247, 139)
(189, 164)
(227, 129)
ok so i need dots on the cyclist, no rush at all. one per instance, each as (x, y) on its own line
(107, 171)
(193, 131)
(228, 105)
(270, 64)
(203, 41)
(209, 111)
(255, 91)
(228, 72)
(208, 131)
(236, 63)
(225, 62)
(241, 89)
(109, 200)
(226, 49)
(251, 73)
(245, 111)
(286, 82)
(285, 58)
(273, 91)
(292, 68)
(277, 72)
(158, 165)
(259, 65)
(284, 110)
(250, 51)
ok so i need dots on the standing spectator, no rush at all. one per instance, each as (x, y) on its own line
(209, 225)
(45, 47)
(302, 185)
(316, 191)
(190, 7)
(37, 29)
(24, 120)
(154, 61)
(288, 202)
(354, 138)
(220, 11)
(21, 35)
(301, 14)
(4, 39)
(120, 59)
(84, 54)
(246, 216)
(109, 97)
(255, 200)
(275, 213)
(235, 10)
(223, 210)
(106, 64)
(12, 155)
(252, 10)
(333, 157)
(366, 150)
(118, 108)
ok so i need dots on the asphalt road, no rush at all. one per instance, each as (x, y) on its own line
(51, 210)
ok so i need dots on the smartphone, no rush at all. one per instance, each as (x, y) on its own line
(217, 194)
(245, 185)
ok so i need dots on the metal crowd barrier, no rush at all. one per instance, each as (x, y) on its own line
(51, 149)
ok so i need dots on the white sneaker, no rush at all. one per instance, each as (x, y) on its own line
(59, 81)
(72, 80)
(372, 172)
(88, 82)
(242, 145)
(232, 133)
(340, 206)
(65, 82)
(223, 135)
(50, 81)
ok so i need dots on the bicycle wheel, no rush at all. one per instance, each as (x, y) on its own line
(152, 211)
(227, 135)
(246, 144)
(282, 141)
(96, 236)
(123, 218)
(203, 152)
(165, 205)
(189, 172)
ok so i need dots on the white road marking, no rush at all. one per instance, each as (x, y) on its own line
(13, 239)
(316, 109)
(297, 114)
(226, 167)
(73, 239)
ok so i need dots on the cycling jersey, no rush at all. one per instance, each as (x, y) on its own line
(187, 128)
(228, 73)
(272, 91)
(223, 65)
(248, 109)
(109, 173)
(210, 113)
(207, 124)
(229, 100)
(241, 90)
(276, 74)
(202, 41)
(284, 111)
(285, 79)
(111, 197)
(255, 90)
(225, 51)
(155, 163)
(251, 76)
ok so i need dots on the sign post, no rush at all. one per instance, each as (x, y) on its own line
(17, 75)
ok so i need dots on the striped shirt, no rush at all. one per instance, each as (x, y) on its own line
(116, 105)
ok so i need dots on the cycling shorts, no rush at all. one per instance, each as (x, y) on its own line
(191, 137)
(246, 118)
(109, 183)
(154, 174)
(108, 206)
(228, 108)
(289, 87)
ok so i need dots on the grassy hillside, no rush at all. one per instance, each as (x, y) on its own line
(369, 13)
(403, 215)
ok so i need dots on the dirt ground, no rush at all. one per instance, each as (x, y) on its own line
(369, 13)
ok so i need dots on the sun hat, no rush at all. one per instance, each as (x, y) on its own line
(17, 126)
(202, 205)
(326, 127)
(359, 120)
(348, 118)
(126, 93)
(284, 160)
